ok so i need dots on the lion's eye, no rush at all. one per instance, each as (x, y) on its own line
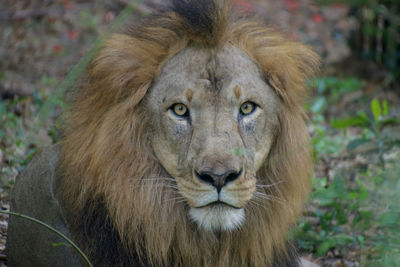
(180, 110)
(247, 108)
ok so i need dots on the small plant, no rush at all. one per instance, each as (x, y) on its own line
(372, 122)
(351, 210)
(329, 90)
(336, 204)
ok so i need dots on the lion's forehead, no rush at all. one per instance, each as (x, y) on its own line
(211, 74)
(226, 63)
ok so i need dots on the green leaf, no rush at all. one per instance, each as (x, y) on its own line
(385, 108)
(378, 180)
(366, 214)
(389, 218)
(390, 121)
(235, 151)
(319, 105)
(341, 217)
(319, 183)
(59, 244)
(361, 121)
(353, 195)
(363, 194)
(356, 143)
(328, 196)
(324, 247)
(343, 239)
(339, 187)
(239, 151)
(28, 158)
(321, 85)
(376, 109)
(58, 101)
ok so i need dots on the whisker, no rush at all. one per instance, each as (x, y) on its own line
(261, 195)
(176, 201)
(156, 186)
(257, 204)
(267, 195)
(175, 198)
(262, 202)
(269, 185)
(158, 178)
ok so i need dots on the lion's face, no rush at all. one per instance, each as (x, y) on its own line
(214, 119)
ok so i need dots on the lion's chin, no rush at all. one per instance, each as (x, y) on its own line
(217, 217)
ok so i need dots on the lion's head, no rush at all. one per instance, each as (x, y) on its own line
(189, 130)
(213, 124)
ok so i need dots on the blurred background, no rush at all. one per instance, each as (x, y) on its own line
(353, 215)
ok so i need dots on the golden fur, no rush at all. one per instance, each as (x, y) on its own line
(106, 153)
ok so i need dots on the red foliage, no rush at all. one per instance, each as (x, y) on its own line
(292, 4)
(317, 18)
(57, 48)
(73, 35)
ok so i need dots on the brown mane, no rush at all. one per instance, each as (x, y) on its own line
(107, 159)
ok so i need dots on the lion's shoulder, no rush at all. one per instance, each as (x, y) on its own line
(33, 195)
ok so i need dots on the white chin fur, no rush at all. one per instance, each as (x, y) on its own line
(217, 218)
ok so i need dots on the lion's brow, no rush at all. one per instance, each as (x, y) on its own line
(237, 91)
(189, 94)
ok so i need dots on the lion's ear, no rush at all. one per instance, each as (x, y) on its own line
(286, 64)
(293, 65)
(122, 66)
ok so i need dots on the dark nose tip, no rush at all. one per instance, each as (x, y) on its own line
(218, 180)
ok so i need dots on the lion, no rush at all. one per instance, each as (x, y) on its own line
(185, 145)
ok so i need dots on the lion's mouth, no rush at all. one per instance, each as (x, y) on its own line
(219, 217)
(218, 203)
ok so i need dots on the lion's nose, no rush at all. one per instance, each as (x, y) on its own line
(218, 180)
